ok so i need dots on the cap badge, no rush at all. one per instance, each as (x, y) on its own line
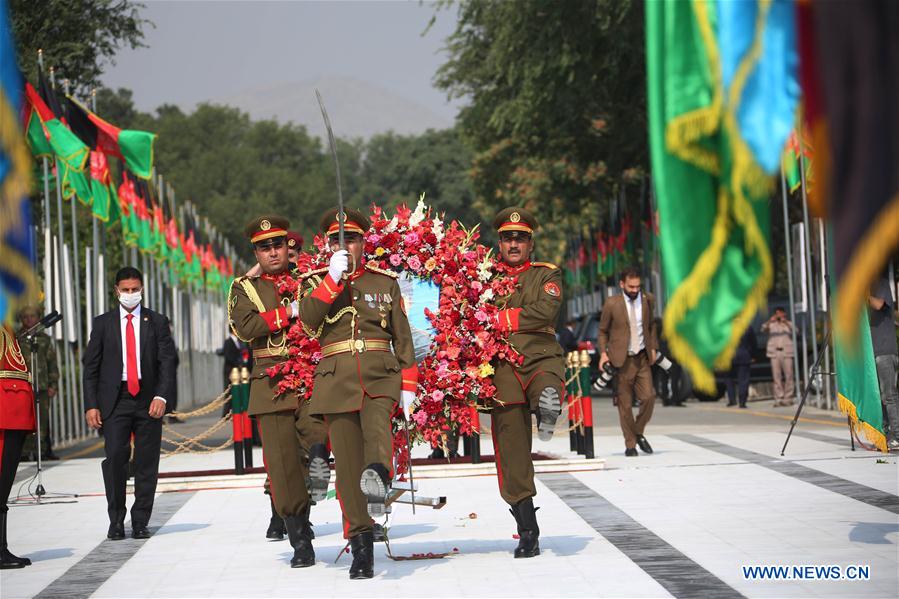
(265, 225)
(515, 217)
(292, 243)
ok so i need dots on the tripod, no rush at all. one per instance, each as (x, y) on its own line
(30, 338)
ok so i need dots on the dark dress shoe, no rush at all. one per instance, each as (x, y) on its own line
(644, 445)
(116, 532)
(140, 532)
(630, 452)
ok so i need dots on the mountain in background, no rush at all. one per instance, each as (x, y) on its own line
(356, 108)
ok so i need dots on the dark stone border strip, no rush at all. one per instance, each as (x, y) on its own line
(841, 441)
(87, 575)
(835, 484)
(677, 573)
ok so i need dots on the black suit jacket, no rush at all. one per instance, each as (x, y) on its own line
(102, 371)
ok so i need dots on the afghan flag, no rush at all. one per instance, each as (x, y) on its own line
(722, 96)
(850, 76)
(63, 143)
(858, 390)
(134, 148)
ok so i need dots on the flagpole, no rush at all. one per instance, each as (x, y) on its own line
(66, 389)
(813, 307)
(75, 259)
(94, 281)
(789, 247)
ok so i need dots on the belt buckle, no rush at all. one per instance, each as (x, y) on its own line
(359, 345)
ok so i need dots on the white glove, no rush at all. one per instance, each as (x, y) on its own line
(294, 309)
(407, 398)
(340, 261)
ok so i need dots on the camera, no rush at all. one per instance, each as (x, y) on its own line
(606, 374)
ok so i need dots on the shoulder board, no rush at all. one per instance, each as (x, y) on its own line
(545, 265)
(381, 271)
(317, 271)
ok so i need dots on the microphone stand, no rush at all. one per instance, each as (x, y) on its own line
(29, 336)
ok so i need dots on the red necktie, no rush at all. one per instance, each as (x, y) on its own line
(131, 358)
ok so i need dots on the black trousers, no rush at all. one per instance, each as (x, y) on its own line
(131, 415)
(11, 442)
(738, 384)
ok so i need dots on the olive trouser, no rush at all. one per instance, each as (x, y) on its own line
(511, 432)
(359, 439)
(286, 439)
(635, 378)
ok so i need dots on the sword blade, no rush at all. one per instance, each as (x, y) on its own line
(341, 216)
(411, 477)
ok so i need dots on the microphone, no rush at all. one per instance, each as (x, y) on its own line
(44, 323)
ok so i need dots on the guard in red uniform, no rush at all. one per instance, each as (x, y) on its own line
(16, 421)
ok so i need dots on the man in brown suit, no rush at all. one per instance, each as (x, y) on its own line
(627, 340)
(368, 364)
(528, 319)
(259, 315)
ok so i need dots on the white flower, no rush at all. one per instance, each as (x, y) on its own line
(419, 214)
(391, 226)
(437, 228)
(487, 295)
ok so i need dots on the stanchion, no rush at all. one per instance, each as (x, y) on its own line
(570, 395)
(587, 411)
(474, 440)
(236, 421)
(246, 423)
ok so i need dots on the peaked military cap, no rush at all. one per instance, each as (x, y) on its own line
(294, 240)
(355, 222)
(515, 219)
(266, 227)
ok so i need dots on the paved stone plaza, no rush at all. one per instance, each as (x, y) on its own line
(715, 496)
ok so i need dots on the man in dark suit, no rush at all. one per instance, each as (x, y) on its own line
(627, 340)
(129, 371)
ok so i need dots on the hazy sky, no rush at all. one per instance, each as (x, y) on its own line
(212, 50)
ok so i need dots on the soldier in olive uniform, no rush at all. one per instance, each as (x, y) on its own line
(528, 317)
(260, 316)
(368, 363)
(47, 375)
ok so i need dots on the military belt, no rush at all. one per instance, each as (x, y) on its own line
(355, 346)
(13, 374)
(547, 330)
(280, 352)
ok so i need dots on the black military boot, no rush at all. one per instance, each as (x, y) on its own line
(374, 482)
(528, 533)
(363, 547)
(8, 561)
(308, 526)
(275, 530)
(319, 472)
(298, 533)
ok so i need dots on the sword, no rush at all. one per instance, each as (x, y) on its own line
(411, 478)
(341, 216)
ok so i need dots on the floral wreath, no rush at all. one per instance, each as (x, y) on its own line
(456, 373)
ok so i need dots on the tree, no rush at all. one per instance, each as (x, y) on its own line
(78, 37)
(556, 110)
(233, 168)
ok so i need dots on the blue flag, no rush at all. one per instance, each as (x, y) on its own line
(18, 284)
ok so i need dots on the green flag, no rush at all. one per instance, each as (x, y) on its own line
(718, 121)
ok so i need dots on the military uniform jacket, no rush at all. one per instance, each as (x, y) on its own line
(260, 316)
(529, 316)
(16, 396)
(366, 341)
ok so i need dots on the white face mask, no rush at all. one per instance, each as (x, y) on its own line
(130, 300)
